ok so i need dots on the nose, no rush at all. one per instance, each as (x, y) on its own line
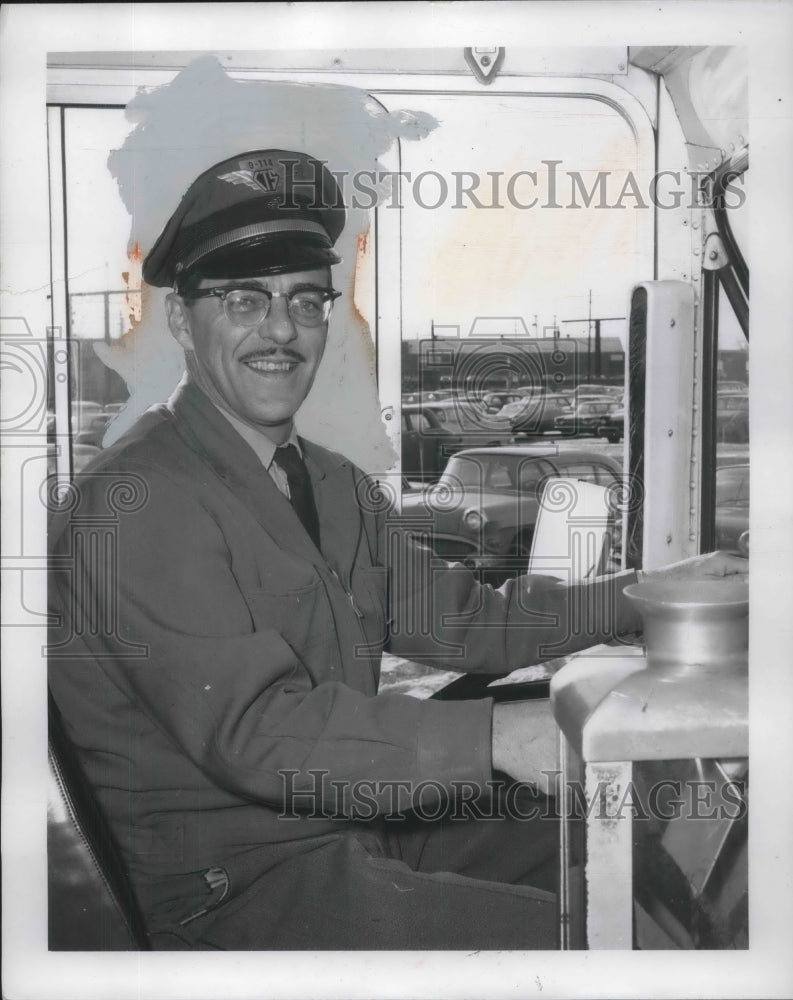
(277, 326)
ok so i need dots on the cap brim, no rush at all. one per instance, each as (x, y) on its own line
(273, 256)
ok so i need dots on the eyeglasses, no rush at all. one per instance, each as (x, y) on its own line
(250, 306)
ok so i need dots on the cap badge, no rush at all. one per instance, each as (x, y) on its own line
(259, 180)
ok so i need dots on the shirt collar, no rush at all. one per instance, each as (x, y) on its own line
(263, 447)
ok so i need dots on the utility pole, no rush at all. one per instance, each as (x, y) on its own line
(598, 367)
(589, 340)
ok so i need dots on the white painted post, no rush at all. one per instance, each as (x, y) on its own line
(609, 856)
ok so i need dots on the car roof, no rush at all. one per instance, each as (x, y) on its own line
(550, 450)
(415, 407)
(443, 404)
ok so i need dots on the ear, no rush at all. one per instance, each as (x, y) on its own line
(179, 320)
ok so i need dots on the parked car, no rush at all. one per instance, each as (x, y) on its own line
(587, 418)
(494, 402)
(530, 390)
(536, 415)
(88, 417)
(426, 443)
(114, 408)
(427, 396)
(90, 420)
(484, 508)
(517, 409)
(450, 425)
(614, 427)
(598, 389)
(732, 505)
(732, 416)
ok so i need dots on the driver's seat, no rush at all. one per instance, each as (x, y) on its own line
(90, 902)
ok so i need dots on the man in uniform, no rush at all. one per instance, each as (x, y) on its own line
(216, 657)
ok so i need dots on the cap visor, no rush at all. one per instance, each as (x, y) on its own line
(268, 257)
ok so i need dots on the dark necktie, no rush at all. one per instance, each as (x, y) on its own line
(301, 495)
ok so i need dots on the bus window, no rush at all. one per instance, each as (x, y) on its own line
(102, 284)
(726, 378)
(487, 225)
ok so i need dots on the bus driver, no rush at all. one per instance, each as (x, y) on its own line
(262, 794)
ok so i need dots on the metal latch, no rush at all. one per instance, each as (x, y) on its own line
(485, 63)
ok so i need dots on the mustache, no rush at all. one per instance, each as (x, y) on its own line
(273, 354)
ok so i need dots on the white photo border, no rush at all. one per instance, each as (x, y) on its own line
(28, 33)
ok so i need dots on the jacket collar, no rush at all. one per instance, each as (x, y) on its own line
(214, 439)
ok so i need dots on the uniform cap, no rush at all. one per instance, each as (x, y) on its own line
(269, 211)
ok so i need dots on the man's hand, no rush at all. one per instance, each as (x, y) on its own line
(525, 743)
(712, 566)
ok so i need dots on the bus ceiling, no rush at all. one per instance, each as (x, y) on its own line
(708, 84)
(709, 88)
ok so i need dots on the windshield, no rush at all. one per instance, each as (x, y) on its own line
(517, 408)
(504, 473)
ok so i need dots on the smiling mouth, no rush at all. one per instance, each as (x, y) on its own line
(271, 366)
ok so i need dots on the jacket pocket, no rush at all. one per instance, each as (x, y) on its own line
(302, 617)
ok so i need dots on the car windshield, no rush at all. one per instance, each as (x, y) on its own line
(508, 473)
(516, 408)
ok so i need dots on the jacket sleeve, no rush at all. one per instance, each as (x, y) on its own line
(156, 609)
(441, 615)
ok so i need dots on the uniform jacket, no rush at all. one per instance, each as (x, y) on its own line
(210, 662)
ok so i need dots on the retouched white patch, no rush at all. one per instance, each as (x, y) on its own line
(202, 117)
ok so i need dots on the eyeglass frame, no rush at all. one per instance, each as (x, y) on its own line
(222, 293)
